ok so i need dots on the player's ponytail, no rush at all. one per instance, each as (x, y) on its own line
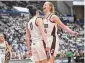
(52, 7)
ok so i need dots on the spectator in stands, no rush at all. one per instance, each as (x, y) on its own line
(77, 56)
(69, 55)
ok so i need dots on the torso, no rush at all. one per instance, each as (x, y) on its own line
(49, 26)
(3, 47)
(34, 30)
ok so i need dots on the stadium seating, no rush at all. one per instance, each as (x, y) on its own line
(14, 28)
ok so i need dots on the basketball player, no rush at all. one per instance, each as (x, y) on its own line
(35, 32)
(8, 50)
(51, 21)
(4, 48)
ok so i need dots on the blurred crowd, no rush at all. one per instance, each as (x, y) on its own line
(14, 29)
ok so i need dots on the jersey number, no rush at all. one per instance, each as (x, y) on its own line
(45, 30)
(45, 26)
(31, 26)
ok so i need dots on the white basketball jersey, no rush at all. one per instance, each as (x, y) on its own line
(2, 45)
(34, 30)
(49, 26)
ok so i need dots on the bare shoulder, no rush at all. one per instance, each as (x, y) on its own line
(39, 20)
(54, 17)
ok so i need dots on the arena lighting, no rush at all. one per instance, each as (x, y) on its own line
(21, 9)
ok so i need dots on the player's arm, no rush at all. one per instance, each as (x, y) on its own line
(39, 22)
(60, 24)
(27, 38)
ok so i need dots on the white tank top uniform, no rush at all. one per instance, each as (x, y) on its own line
(37, 47)
(34, 30)
(2, 52)
(51, 30)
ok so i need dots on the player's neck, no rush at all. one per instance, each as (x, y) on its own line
(47, 14)
(35, 16)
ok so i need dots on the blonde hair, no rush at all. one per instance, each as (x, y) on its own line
(52, 7)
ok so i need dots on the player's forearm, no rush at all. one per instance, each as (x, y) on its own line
(66, 28)
(41, 28)
(10, 49)
(28, 43)
(27, 36)
(45, 39)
